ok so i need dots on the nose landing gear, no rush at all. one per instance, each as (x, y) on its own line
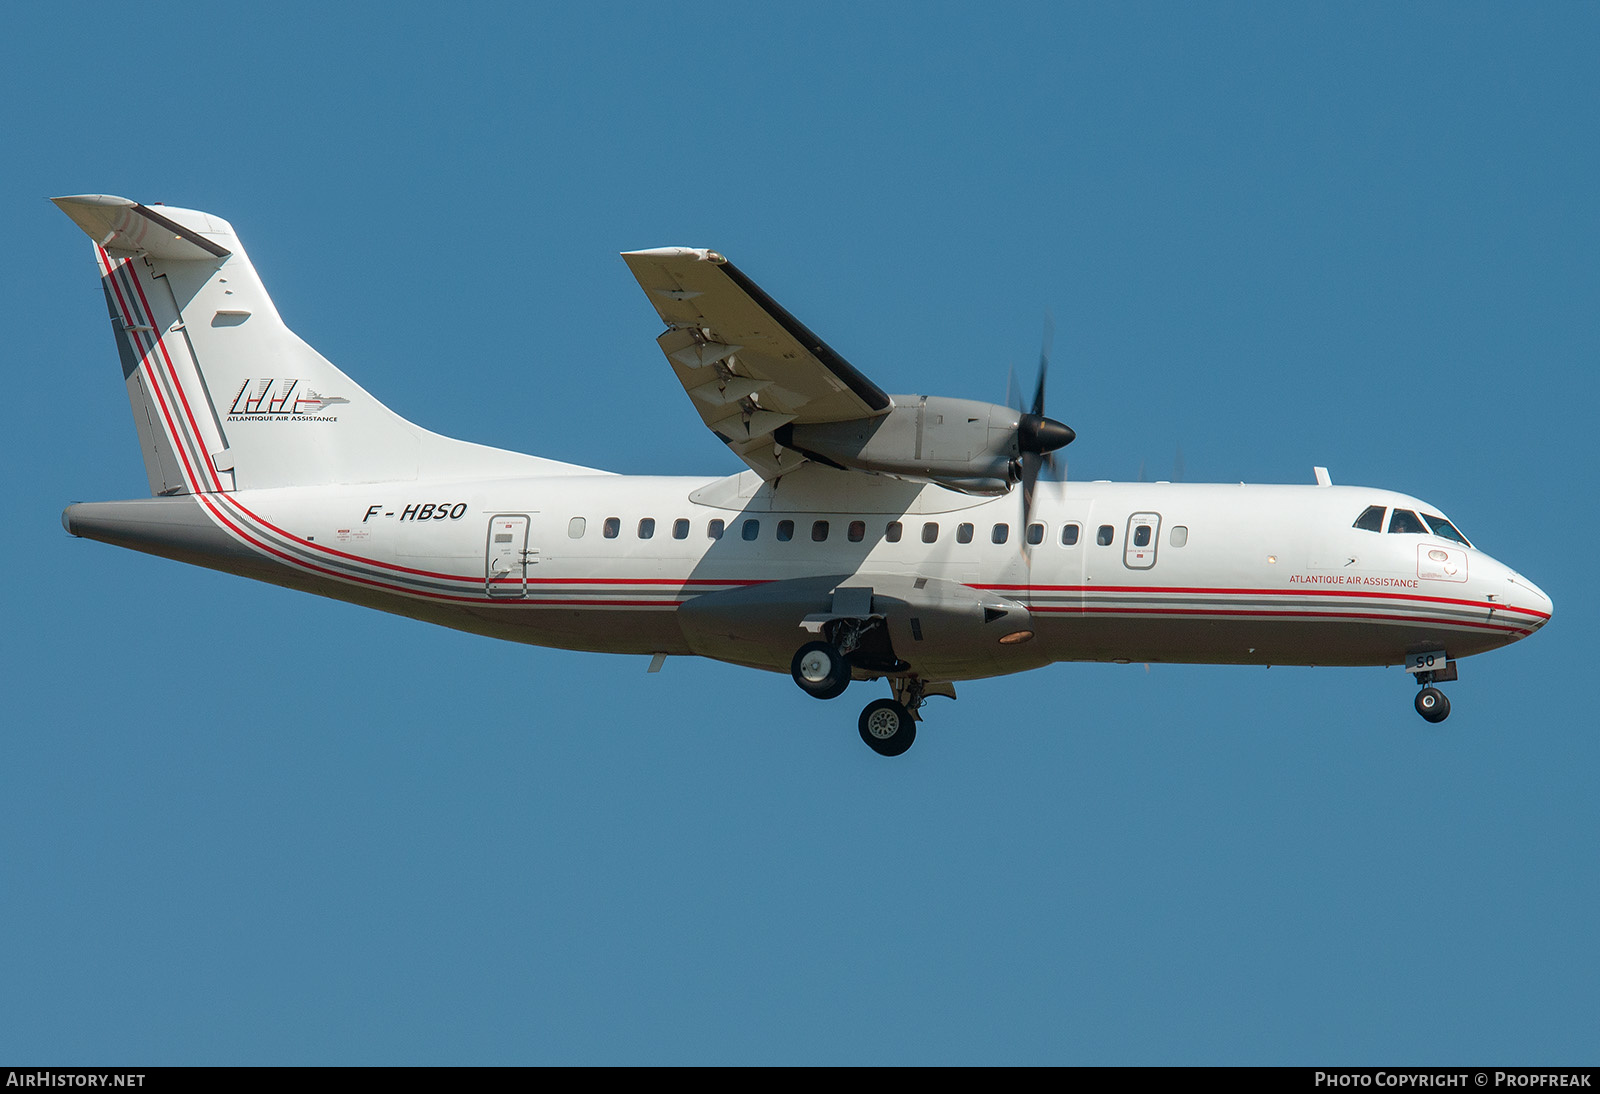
(1430, 668)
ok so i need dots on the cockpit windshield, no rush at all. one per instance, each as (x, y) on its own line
(1444, 529)
(1406, 522)
(1371, 519)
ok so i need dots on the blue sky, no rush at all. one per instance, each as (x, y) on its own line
(243, 825)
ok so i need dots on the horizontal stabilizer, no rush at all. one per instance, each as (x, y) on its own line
(120, 225)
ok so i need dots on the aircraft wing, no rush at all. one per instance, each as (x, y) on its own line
(750, 367)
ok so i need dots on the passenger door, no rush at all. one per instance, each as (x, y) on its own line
(507, 556)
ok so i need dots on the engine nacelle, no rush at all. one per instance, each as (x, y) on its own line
(961, 444)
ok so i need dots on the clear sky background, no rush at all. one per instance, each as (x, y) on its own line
(244, 825)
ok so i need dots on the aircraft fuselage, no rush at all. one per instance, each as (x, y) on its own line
(1230, 574)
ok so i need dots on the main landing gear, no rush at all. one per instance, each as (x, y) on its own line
(821, 670)
(888, 726)
(1430, 668)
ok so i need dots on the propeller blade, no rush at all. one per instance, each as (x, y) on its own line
(1031, 462)
(1038, 437)
(1036, 433)
(1044, 361)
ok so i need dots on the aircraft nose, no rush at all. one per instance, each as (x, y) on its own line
(1531, 603)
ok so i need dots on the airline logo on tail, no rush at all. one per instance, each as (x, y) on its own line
(276, 400)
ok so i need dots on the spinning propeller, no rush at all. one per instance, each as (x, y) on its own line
(1038, 437)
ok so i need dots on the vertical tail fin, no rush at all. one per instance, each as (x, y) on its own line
(225, 396)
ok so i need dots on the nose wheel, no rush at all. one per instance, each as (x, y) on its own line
(1432, 704)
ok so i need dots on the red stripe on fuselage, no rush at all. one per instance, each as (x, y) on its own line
(1282, 613)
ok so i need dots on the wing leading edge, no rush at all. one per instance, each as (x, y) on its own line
(750, 367)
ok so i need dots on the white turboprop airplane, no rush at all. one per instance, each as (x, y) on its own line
(907, 538)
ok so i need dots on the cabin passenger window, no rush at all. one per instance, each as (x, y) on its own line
(1180, 535)
(1069, 535)
(1370, 520)
(714, 529)
(1000, 533)
(858, 531)
(892, 532)
(819, 531)
(785, 531)
(575, 528)
(680, 529)
(963, 533)
(1141, 536)
(647, 527)
(612, 527)
(1035, 534)
(1105, 535)
(1444, 529)
(751, 529)
(1405, 521)
(930, 532)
